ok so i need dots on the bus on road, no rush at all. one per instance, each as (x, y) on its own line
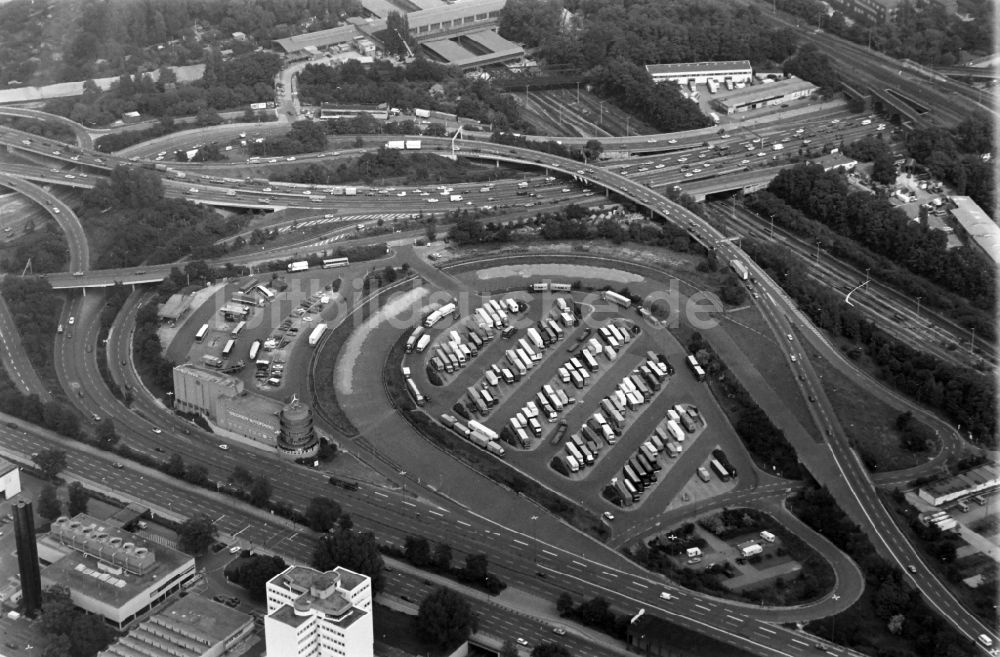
(238, 329)
(331, 263)
(254, 348)
(200, 335)
(228, 349)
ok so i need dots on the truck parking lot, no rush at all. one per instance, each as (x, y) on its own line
(537, 403)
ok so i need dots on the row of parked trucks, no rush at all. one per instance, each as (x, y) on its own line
(477, 433)
(639, 472)
(548, 403)
(608, 422)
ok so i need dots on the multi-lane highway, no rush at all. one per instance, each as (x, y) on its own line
(832, 461)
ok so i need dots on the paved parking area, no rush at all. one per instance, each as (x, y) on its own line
(676, 480)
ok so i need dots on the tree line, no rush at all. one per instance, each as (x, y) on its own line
(130, 214)
(889, 597)
(887, 231)
(882, 268)
(408, 168)
(956, 157)
(926, 32)
(225, 84)
(419, 84)
(964, 396)
(766, 443)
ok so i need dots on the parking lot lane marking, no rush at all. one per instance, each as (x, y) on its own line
(409, 504)
(606, 573)
(802, 643)
(462, 522)
(703, 607)
(380, 494)
(640, 584)
(551, 554)
(582, 565)
(520, 542)
(738, 620)
(767, 629)
(439, 515)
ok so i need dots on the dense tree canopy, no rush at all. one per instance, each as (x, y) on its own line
(68, 630)
(195, 535)
(229, 84)
(252, 572)
(322, 513)
(873, 222)
(408, 87)
(129, 213)
(955, 156)
(102, 38)
(357, 551)
(809, 63)
(445, 618)
(530, 22)
(962, 394)
(652, 31)
(35, 308)
(632, 89)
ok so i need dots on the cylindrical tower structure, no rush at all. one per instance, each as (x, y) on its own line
(297, 438)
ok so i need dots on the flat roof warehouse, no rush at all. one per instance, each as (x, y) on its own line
(423, 23)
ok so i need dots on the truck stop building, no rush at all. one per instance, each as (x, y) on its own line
(193, 625)
(111, 572)
(763, 95)
(976, 226)
(701, 72)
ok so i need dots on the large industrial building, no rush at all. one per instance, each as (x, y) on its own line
(969, 482)
(763, 95)
(439, 20)
(109, 571)
(311, 613)
(473, 50)
(974, 225)
(701, 72)
(192, 626)
(224, 402)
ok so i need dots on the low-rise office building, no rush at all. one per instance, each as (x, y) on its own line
(10, 479)
(109, 571)
(193, 626)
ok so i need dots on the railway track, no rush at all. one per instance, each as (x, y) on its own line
(895, 313)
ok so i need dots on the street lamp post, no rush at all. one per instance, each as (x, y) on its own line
(534, 542)
(918, 307)
(868, 277)
(818, 243)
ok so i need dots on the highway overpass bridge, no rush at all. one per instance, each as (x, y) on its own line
(974, 72)
(746, 182)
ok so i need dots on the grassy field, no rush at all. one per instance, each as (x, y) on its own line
(868, 422)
